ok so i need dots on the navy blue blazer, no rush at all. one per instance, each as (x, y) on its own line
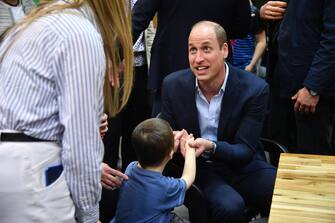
(169, 51)
(307, 47)
(243, 108)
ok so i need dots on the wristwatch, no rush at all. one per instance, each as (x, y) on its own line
(212, 150)
(313, 93)
(208, 153)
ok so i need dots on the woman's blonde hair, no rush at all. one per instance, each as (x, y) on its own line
(114, 21)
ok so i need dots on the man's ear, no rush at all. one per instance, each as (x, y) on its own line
(225, 50)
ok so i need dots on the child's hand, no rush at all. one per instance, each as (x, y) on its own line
(187, 140)
(110, 178)
(178, 135)
(189, 143)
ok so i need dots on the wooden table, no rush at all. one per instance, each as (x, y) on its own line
(304, 190)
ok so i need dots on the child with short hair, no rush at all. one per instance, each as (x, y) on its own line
(148, 196)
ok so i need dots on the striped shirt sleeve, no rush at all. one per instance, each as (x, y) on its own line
(79, 63)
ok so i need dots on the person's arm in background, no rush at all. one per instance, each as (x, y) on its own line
(260, 46)
(272, 13)
(321, 71)
(142, 13)
(258, 30)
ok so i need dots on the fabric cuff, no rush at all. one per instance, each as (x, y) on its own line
(88, 216)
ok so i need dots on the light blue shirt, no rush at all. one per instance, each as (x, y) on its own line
(51, 82)
(209, 112)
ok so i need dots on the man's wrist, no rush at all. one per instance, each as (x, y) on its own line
(212, 148)
(312, 92)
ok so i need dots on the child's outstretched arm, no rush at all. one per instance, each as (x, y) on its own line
(190, 164)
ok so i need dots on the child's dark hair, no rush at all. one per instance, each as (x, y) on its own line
(153, 141)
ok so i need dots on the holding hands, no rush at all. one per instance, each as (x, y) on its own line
(202, 145)
(185, 141)
(178, 138)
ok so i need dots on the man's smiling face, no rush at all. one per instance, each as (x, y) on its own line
(205, 55)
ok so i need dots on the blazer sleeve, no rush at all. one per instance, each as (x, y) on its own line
(142, 13)
(321, 72)
(246, 140)
(240, 26)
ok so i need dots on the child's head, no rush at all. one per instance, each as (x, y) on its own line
(153, 142)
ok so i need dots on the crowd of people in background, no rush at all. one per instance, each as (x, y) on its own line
(97, 97)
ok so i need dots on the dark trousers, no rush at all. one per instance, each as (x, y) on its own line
(122, 125)
(156, 101)
(228, 194)
(300, 132)
(137, 110)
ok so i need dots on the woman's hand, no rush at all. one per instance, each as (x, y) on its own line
(103, 125)
(111, 178)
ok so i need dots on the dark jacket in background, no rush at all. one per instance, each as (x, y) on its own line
(169, 52)
(306, 48)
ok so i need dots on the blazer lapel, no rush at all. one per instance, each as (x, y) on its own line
(191, 106)
(229, 101)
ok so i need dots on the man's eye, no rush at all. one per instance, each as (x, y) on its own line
(192, 50)
(207, 49)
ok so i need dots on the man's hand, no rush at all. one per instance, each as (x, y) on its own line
(273, 10)
(304, 101)
(103, 125)
(110, 178)
(201, 145)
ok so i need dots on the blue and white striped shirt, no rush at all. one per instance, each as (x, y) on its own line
(51, 82)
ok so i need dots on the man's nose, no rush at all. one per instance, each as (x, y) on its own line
(199, 58)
